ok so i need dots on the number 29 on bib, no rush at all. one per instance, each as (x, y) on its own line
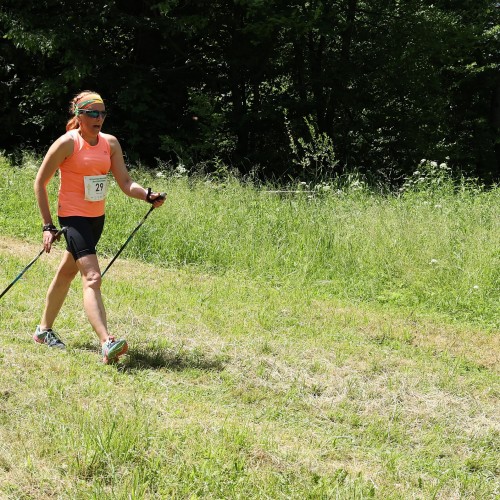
(96, 187)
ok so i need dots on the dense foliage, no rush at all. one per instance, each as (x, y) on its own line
(291, 89)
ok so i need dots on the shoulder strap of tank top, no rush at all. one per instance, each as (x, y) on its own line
(105, 141)
(75, 136)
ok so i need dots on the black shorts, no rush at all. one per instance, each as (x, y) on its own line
(82, 234)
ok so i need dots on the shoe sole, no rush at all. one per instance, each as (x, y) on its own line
(107, 360)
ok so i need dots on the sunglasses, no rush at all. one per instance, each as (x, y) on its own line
(93, 113)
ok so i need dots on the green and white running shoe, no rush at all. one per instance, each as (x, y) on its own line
(112, 349)
(49, 337)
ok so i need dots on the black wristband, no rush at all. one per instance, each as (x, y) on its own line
(49, 227)
(148, 197)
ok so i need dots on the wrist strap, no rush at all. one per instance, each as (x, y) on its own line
(49, 227)
(159, 197)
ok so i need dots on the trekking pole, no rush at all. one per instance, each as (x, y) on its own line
(61, 231)
(160, 197)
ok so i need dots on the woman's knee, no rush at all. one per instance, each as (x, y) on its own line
(92, 279)
(65, 278)
(67, 273)
(89, 269)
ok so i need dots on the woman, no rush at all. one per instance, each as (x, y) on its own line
(84, 156)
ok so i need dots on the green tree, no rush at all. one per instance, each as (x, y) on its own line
(382, 84)
(57, 48)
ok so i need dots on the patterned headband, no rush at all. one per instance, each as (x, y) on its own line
(90, 99)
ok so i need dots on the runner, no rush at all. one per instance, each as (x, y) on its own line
(84, 156)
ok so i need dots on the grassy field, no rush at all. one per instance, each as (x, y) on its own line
(333, 344)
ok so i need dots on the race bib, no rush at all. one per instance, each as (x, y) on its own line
(96, 187)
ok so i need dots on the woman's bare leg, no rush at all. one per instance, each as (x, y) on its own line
(58, 290)
(92, 299)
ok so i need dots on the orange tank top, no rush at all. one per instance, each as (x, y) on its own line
(82, 186)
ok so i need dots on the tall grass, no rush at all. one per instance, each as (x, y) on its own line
(432, 247)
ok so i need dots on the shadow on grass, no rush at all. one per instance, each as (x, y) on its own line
(176, 360)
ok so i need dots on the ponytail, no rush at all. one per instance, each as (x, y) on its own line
(72, 123)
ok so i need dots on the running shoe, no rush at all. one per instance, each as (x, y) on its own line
(49, 337)
(112, 349)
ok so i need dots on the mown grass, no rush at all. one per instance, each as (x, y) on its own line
(332, 346)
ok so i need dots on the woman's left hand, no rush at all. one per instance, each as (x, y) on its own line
(156, 199)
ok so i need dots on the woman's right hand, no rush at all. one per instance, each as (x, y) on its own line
(48, 238)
